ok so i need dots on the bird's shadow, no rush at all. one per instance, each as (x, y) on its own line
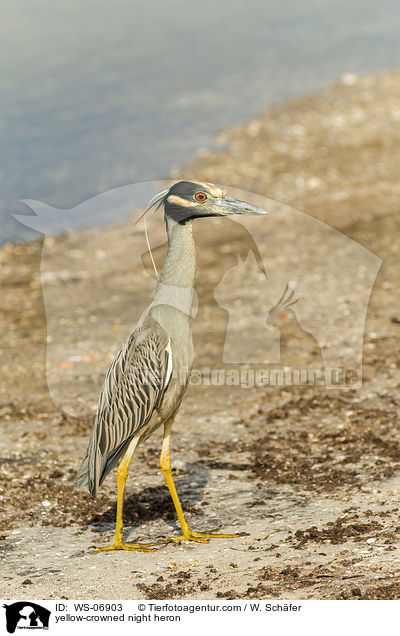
(154, 502)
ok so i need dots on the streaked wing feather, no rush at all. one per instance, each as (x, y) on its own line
(133, 388)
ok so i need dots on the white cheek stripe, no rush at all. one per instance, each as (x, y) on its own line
(184, 203)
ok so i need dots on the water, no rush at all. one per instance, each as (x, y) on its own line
(98, 94)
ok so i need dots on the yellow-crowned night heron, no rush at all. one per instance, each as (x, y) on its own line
(146, 382)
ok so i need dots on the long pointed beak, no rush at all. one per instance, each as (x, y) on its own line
(226, 205)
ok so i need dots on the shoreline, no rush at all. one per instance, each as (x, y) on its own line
(285, 459)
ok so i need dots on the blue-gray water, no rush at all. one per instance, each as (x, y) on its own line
(97, 94)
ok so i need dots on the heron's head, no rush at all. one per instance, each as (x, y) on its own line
(188, 200)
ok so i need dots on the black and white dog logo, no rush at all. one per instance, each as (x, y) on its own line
(26, 615)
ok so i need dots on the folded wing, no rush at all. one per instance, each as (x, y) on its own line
(133, 389)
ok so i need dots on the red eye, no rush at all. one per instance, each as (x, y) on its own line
(283, 314)
(200, 196)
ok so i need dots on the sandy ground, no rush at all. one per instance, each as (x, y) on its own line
(309, 477)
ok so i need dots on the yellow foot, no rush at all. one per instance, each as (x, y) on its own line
(200, 537)
(132, 547)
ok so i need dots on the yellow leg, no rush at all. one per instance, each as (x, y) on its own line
(187, 533)
(122, 474)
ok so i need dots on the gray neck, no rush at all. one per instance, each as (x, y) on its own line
(176, 281)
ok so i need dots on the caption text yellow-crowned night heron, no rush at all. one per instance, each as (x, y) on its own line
(146, 382)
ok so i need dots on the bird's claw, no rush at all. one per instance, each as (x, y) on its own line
(200, 537)
(184, 538)
(129, 547)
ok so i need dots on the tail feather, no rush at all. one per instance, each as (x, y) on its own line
(88, 478)
(82, 479)
(95, 467)
(91, 472)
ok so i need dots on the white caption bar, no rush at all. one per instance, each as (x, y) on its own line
(176, 617)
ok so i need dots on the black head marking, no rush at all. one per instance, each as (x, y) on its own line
(180, 202)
